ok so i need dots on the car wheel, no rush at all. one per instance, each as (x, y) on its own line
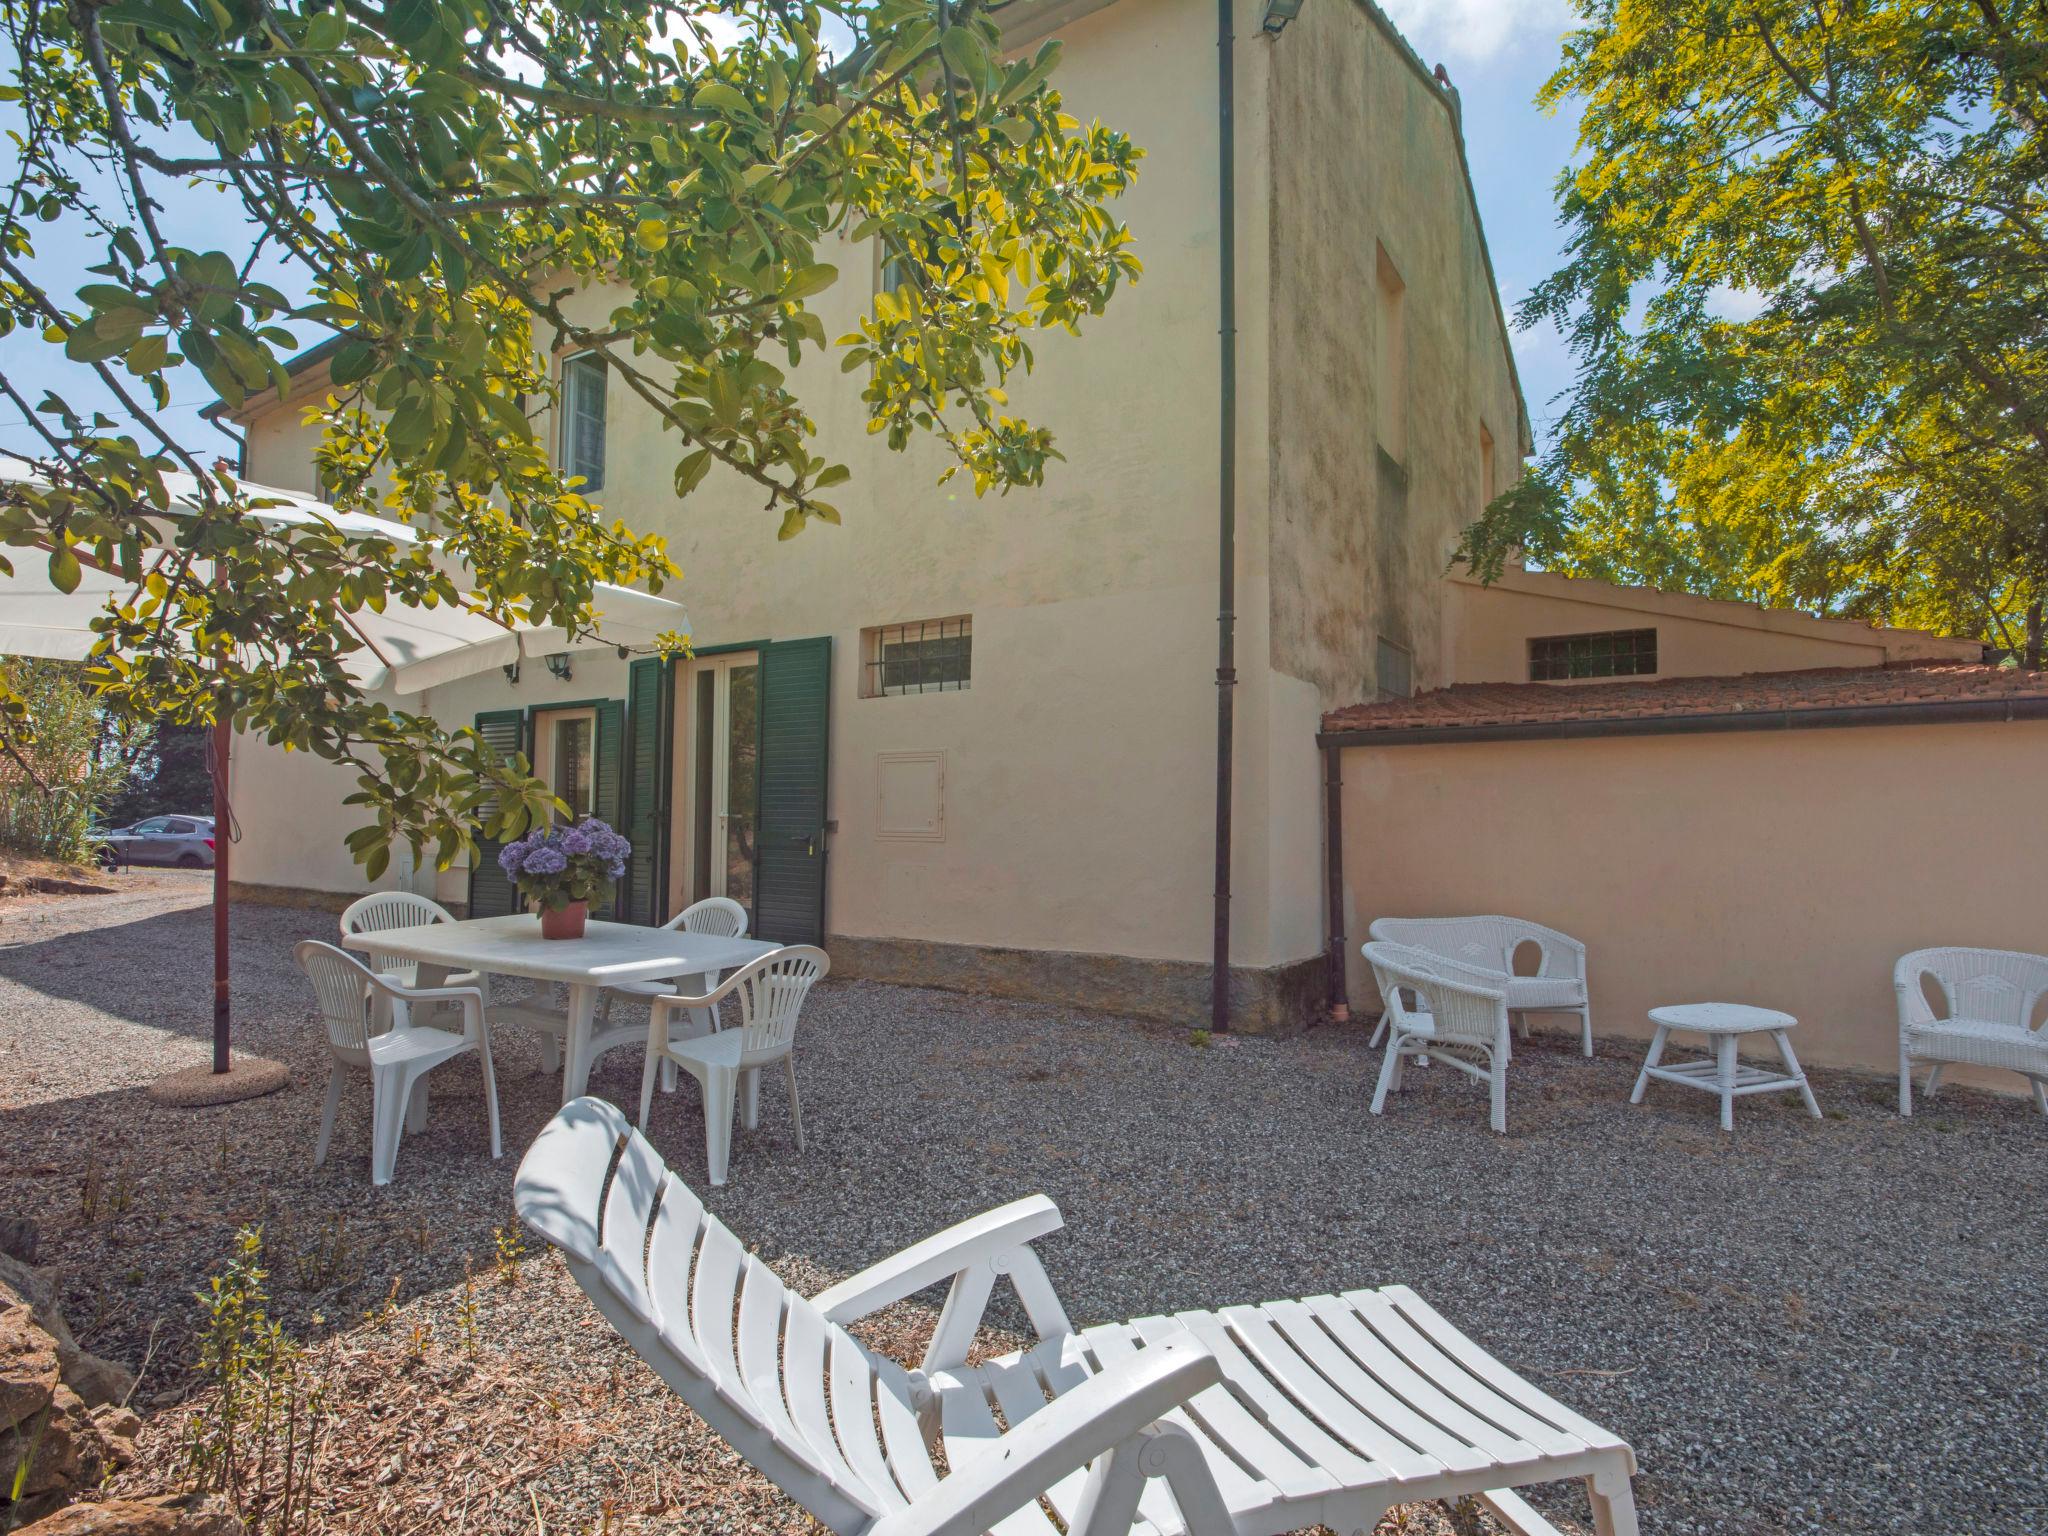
(189, 861)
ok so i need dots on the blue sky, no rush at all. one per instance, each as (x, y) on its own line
(1498, 52)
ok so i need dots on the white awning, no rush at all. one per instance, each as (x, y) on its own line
(405, 649)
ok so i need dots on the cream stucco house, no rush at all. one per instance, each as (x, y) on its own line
(975, 741)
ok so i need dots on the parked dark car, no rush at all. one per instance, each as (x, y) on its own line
(185, 842)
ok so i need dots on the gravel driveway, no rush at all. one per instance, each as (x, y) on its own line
(1832, 1325)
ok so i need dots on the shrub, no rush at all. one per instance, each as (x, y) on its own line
(73, 759)
(257, 1437)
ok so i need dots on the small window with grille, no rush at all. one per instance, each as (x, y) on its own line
(1616, 653)
(929, 656)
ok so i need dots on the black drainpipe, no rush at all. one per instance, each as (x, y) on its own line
(1226, 541)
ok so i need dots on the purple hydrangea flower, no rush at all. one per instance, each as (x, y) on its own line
(578, 840)
(546, 861)
(509, 857)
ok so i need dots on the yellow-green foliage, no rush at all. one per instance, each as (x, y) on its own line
(1806, 283)
(439, 177)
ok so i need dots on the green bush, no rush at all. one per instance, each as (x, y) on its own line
(72, 760)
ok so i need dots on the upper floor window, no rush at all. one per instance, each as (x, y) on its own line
(582, 446)
(1616, 653)
(929, 656)
(1395, 668)
(1390, 358)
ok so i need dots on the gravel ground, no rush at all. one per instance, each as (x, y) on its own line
(1811, 1326)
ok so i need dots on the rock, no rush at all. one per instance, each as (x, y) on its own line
(139, 1517)
(28, 1367)
(22, 1282)
(117, 1423)
(67, 1455)
(118, 1428)
(19, 1236)
(96, 1380)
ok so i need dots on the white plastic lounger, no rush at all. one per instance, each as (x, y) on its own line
(1246, 1422)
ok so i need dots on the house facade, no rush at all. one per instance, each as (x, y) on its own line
(973, 742)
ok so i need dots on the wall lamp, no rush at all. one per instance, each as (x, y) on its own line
(558, 665)
(1279, 13)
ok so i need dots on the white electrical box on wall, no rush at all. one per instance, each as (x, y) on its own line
(910, 796)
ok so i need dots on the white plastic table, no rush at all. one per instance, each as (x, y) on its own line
(1724, 1024)
(608, 953)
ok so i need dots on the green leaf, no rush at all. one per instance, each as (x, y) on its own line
(692, 470)
(805, 281)
(966, 52)
(717, 96)
(64, 569)
(652, 234)
(353, 361)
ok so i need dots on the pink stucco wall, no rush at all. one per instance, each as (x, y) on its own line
(1789, 868)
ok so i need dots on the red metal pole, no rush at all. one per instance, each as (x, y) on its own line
(223, 735)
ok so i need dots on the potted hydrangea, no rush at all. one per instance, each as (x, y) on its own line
(560, 869)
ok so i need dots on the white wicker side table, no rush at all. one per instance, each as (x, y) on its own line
(1724, 1024)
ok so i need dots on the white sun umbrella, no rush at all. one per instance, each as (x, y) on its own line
(405, 649)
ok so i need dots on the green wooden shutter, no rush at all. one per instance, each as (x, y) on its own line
(796, 678)
(491, 894)
(647, 776)
(608, 792)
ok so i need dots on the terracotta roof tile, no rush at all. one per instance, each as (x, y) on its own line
(1496, 704)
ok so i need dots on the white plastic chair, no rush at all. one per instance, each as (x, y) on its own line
(1489, 944)
(770, 993)
(1456, 1013)
(1243, 1421)
(397, 1059)
(1990, 996)
(719, 916)
(381, 910)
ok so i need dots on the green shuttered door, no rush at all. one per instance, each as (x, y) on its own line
(608, 793)
(796, 678)
(647, 761)
(490, 893)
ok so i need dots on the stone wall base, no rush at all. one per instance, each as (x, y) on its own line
(1271, 1000)
(1279, 999)
(242, 894)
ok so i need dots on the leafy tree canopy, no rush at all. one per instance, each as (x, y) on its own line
(439, 176)
(1807, 290)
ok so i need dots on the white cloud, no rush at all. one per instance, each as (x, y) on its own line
(1479, 31)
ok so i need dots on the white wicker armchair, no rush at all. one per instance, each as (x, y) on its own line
(1439, 1010)
(1990, 996)
(1488, 944)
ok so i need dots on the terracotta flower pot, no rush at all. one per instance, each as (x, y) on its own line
(565, 922)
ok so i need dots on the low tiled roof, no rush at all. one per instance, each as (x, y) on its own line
(1471, 705)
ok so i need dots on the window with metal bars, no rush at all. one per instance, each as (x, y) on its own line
(1616, 653)
(929, 656)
